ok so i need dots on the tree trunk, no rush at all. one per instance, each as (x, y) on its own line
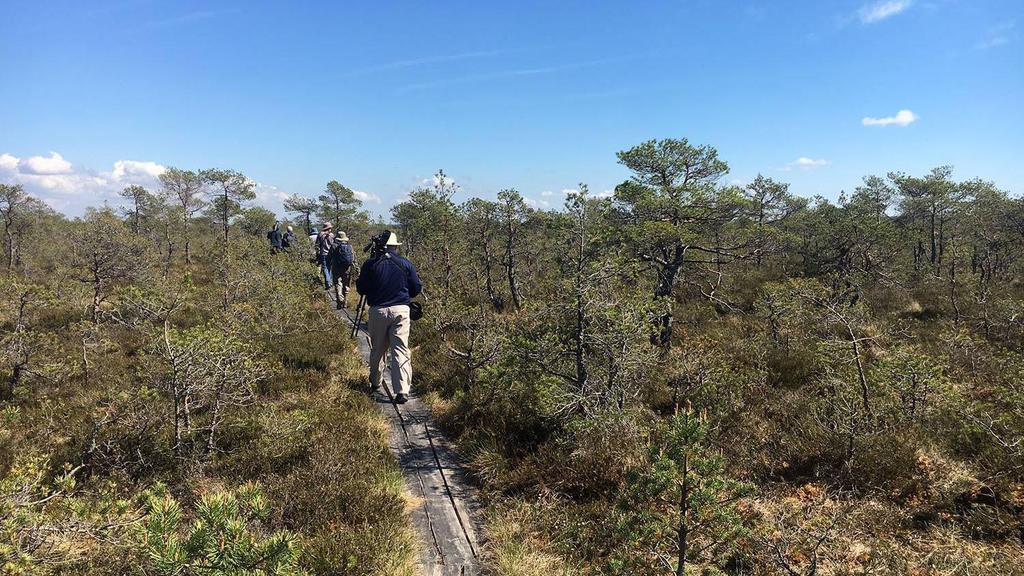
(666, 281)
(227, 253)
(214, 422)
(488, 280)
(96, 289)
(138, 222)
(510, 271)
(12, 382)
(447, 267)
(579, 343)
(934, 255)
(861, 376)
(10, 247)
(760, 234)
(177, 421)
(942, 240)
(85, 360)
(188, 250)
(170, 258)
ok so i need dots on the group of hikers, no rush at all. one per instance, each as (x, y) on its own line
(386, 280)
(280, 241)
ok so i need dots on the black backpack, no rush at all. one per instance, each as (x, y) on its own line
(341, 255)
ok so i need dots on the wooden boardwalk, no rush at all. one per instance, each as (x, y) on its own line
(447, 518)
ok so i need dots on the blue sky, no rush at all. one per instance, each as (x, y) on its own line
(533, 95)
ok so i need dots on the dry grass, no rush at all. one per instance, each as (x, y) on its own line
(517, 549)
(868, 536)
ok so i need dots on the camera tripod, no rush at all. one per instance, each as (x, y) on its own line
(359, 314)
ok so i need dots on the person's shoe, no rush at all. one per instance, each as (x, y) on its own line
(374, 388)
(341, 305)
(401, 398)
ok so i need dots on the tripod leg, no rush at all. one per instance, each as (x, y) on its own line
(359, 315)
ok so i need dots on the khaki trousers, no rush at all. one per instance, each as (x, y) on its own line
(342, 278)
(389, 334)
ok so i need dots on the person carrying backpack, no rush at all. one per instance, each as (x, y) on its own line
(341, 259)
(324, 241)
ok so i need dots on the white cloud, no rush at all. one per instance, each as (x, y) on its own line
(992, 42)
(50, 177)
(55, 181)
(270, 197)
(902, 118)
(55, 164)
(436, 181)
(999, 35)
(133, 169)
(8, 163)
(268, 192)
(805, 163)
(551, 199)
(69, 193)
(562, 192)
(366, 196)
(72, 189)
(535, 203)
(878, 11)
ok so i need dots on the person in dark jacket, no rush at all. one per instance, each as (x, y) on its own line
(287, 239)
(389, 282)
(341, 259)
(275, 238)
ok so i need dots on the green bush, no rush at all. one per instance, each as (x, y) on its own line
(226, 535)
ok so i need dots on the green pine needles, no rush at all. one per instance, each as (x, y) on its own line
(682, 509)
(226, 536)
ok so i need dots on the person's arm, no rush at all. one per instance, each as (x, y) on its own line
(415, 286)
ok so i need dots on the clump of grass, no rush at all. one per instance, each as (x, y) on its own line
(518, 549)
(346, 496)
(320, 447)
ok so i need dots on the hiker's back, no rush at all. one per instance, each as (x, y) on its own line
(323, 243)
(388, 280)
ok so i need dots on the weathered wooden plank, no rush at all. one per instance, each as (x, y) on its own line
(447, 518)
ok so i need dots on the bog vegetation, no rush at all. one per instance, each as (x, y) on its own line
(690, 377)
(178, 400)
(679, 377)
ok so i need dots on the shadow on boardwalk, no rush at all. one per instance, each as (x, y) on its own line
(448, 520)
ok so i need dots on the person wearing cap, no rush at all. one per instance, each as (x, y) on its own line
(389, 282)
(322, 245)
(341, 259)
